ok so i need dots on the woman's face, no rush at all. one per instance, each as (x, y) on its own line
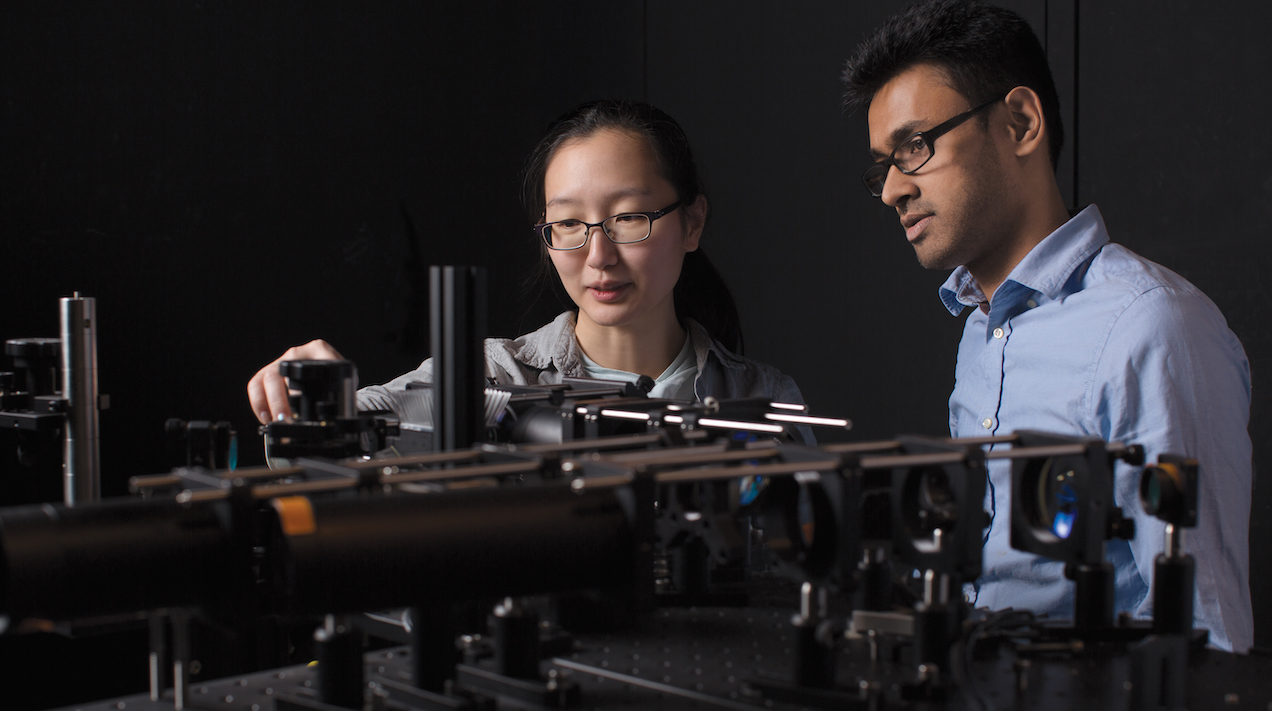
(614, 285)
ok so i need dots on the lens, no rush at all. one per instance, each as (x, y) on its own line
(749, 488)
(931, 505)
(1062, 522)
(1057, 499)
(874, 178)
(1062, 526)
(566, 235)
(936, 497)
(1151, 493)
(912, 154)
(1162, 491)
(627, 228)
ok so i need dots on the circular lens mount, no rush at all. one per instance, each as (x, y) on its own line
(1162, 491)
(1052, 496)
(933, 506)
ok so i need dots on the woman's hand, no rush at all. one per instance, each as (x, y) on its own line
(267, 390)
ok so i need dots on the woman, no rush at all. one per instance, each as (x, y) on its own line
(614, 195)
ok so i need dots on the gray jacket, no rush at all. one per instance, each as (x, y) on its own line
(551, 353)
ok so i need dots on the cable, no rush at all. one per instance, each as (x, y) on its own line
(1007, 623)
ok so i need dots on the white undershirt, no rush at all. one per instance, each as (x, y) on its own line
(675, 383)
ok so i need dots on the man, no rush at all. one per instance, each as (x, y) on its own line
(1069, 333)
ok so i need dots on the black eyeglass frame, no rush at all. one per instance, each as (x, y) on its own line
(542, 227)
(929, 136)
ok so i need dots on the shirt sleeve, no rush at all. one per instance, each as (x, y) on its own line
(1173, 378)
(377, 397)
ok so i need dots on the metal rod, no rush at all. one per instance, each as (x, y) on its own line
(457, 330)
(612, 442)
(1174, 540)
(1110, 447)
(415, 459)
(695, 696)
(82, 481)
(1053, 450)
(739, 425)
(600, 482)
(756, 470)
(936, 588)
(180, 658)
(911, 460)
(269, 491)
(625, 414)
(989, 439)
(808, 420)
(479, 470)
(854, 447)
(137, 483)
(158, 654)
(695, 455)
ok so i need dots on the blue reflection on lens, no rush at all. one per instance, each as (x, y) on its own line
(749, 489)
(1062, 523)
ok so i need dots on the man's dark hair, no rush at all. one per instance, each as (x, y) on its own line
(986, 51)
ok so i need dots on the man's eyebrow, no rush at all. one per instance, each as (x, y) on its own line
(900, 133)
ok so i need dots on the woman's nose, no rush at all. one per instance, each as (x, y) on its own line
(601, 252)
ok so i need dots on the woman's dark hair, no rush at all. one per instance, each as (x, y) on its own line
(701, 293)
(986, 51)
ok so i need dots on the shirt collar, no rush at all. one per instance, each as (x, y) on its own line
(1046, 269)
(704, 345)
(556, 345)
(553, 345)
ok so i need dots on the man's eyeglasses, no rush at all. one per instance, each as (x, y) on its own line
(914, 152)
(625, 228)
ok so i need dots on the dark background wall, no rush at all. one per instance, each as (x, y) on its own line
(229, 179)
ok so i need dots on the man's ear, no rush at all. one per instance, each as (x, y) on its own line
(696, 221)
(1026, 121)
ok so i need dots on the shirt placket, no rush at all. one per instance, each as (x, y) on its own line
(988, 417)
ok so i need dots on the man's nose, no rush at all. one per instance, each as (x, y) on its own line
(897, 186)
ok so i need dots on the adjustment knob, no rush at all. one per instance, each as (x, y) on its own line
(39, 359)
(33, 347)
(321, 389)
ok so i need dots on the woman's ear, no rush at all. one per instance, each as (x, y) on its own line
(695, 222)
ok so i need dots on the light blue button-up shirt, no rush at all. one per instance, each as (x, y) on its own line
(1085, 337)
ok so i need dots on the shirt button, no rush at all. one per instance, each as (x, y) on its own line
(1031, 303)
(987, 423)
(998, 333)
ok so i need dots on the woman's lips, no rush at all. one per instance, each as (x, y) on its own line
(913, 231)
(608, 292)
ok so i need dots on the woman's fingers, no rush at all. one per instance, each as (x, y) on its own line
(267, 390)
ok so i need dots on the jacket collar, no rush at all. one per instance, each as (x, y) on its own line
(556, 346)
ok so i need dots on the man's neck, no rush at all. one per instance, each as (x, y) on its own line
(1038, 222)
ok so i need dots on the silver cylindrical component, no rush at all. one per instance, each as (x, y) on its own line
(82, 482)
(936, 588)
(1174, 545)
(349, 394)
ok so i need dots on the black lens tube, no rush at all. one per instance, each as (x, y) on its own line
(373, 552)
(59, 562)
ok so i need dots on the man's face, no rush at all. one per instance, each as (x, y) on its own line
(954, 209)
